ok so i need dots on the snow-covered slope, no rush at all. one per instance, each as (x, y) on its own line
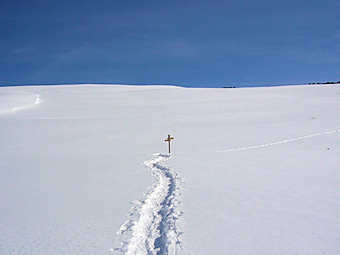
(253, 170)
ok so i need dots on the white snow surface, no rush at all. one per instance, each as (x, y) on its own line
(252, 170)
(154, 231)
(12, 101)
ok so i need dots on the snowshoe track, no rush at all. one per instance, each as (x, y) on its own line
(281, 142)
(151, 227)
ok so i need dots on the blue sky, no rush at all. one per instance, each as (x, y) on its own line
(188, 43)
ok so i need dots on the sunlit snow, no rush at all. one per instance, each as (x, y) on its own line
(85, 170)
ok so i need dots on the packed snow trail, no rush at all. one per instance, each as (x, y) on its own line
(280, 142)
(154, 231)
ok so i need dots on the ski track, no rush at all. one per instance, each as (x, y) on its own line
(151, 228)
(280, 142)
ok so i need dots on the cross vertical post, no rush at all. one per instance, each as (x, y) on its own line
(169, 140)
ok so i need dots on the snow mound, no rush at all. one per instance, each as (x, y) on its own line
(13, 102)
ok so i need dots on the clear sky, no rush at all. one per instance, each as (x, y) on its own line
(188, 43)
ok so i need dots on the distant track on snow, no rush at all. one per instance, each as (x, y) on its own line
(280, 142)
(152, 227)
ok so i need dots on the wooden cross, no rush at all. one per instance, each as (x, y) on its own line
(169, 140)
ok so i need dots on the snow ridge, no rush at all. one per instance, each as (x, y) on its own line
(280, 142)
(154, 230)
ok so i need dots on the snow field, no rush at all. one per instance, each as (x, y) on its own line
(261, 170)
